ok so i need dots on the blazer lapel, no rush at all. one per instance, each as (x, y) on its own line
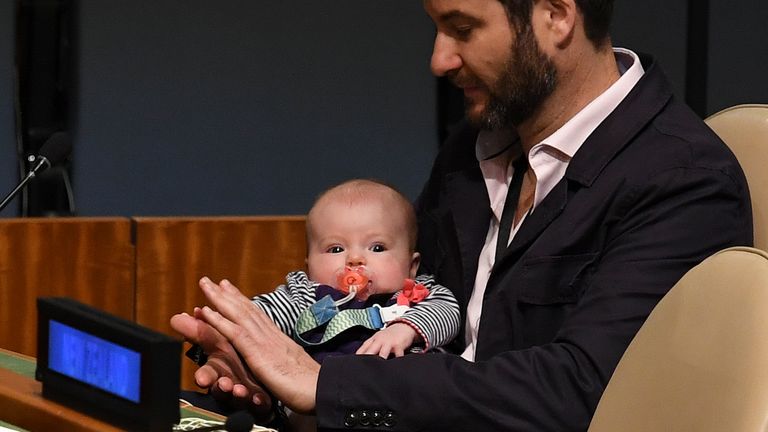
(634, 113)
(536, 222)
(470, 208)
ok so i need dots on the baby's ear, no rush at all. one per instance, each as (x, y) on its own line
(415, 260)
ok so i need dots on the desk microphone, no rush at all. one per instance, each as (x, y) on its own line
(240, 421)
(55, 150)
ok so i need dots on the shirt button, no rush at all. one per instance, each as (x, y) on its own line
(351, 419)
(389, 419)
(377, 418)
(365, 418)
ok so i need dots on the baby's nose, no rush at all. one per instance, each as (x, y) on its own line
(355, 259)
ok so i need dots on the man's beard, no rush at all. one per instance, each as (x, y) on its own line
(529, 77)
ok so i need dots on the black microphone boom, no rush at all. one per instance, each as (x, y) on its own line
(55, 150)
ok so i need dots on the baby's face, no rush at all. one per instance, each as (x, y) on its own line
(369, 234)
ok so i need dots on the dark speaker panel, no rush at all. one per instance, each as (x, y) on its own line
(44, 91)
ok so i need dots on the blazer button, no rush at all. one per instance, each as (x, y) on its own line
(377, 418)
(351, 419)
(365, 418)
(389, 419)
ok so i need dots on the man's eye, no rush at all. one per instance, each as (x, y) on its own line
(335, 249)
(378, 248)
(463, 32)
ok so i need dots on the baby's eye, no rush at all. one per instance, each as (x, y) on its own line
(378, 248)
(335, 249)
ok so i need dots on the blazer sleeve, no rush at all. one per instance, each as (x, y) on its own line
(667, 224)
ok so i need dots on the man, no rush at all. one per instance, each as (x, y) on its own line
(613, 190)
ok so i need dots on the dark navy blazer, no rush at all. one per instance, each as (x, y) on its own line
(650, 194)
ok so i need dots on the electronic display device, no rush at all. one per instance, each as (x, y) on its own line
(106, 366)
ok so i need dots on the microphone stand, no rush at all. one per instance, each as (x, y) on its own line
(42, 163)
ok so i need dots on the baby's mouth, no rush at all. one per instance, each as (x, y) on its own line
(357, 279)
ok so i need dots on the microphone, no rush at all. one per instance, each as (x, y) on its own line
(240, 421)
(54, 150)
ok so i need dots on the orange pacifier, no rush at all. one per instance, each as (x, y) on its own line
(354, 280)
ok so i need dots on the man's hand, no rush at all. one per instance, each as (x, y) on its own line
(224, 373)
(272, 357)
(394, 339)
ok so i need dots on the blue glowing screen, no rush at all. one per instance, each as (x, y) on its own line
(93, 360)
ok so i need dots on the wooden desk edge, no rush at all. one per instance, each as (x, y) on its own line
(22, 404)
(24, 357)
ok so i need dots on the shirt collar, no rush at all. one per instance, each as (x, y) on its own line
(550, 158)
(569, 138)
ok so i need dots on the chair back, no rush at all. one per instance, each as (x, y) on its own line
(744, 128)
(700, 361)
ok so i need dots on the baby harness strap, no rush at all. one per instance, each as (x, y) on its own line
(325, 311)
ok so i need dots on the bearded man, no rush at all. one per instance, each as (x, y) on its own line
(576, 195)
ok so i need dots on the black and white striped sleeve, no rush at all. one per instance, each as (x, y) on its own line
(284, 305)
(437, 317)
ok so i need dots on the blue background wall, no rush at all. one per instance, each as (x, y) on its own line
(738, 54)
(8, 169)
(195, 107)
(243, 107)
(656, 27)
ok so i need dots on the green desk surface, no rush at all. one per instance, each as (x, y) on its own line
(19, 363)
(25, 366)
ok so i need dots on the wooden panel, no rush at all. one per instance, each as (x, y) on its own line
(172, 254)
(88, 259)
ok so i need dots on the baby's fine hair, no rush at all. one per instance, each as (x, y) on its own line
(361, 190)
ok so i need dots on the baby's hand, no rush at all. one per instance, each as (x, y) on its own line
(394, 339)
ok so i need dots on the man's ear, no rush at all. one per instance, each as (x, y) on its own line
(554, 22)
(415, 261)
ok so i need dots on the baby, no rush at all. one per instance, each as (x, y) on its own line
(361, 238)
(360, 293)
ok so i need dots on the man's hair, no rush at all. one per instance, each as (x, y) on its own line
(597, 17)
(361, 190)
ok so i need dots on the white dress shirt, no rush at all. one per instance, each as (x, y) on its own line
(549, 159)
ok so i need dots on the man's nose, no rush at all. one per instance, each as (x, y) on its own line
(445, 57)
